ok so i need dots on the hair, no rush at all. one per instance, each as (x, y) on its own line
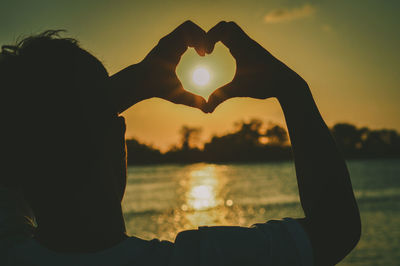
(48, 35)
(55, 115)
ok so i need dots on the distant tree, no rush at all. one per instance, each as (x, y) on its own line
(139, 153)
(188, 135)
(348, 137)
(276, 135)
(249, 132)
(243, 145)
(382, 142)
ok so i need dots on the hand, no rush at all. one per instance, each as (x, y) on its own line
(155, 76)
(160, 65)
(258, 74)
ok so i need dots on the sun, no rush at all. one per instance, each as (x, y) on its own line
(201, 76)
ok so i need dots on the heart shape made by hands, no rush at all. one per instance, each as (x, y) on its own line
(203, 75)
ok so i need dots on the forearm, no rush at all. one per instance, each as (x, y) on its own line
(332, 217)
(127, 87)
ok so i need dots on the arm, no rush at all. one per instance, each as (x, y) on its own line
(127, 88)
(155, 76)
(332, 219)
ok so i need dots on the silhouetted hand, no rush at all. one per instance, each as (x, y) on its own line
(161, 63)
(155, 76)
(258, 74)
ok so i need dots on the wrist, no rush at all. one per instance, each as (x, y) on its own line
(127, 87)
(296, 94)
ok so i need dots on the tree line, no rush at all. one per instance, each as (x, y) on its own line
(253, 141)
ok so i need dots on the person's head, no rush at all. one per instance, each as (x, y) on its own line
(64, 144)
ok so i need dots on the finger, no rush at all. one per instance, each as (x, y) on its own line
(213, 37)
(220, 95)
(193, 36)
(188, 34)
(181, 96)
(230, 34)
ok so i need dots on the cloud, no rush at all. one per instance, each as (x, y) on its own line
(285, 14)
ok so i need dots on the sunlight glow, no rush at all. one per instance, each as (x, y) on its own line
(201, 76)
(203, 197)
(203, 194)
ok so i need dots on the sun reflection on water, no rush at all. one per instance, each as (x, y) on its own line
(203, 185)
(165, 200)
(203, 195)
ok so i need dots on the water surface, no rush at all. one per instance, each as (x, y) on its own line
(162, 200)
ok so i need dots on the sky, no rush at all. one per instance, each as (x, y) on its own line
(347, 51)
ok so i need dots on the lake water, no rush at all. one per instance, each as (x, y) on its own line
(162, 200)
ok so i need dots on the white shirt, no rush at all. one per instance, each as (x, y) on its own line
(282, 242)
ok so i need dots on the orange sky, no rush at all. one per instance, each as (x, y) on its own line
(347, 52)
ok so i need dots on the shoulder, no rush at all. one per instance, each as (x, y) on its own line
(186, 248)
(16, 223)
(277, 242)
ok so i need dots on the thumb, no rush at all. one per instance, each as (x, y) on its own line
(219, 96)
(181, 96)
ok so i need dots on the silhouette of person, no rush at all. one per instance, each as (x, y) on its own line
(61, 109)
